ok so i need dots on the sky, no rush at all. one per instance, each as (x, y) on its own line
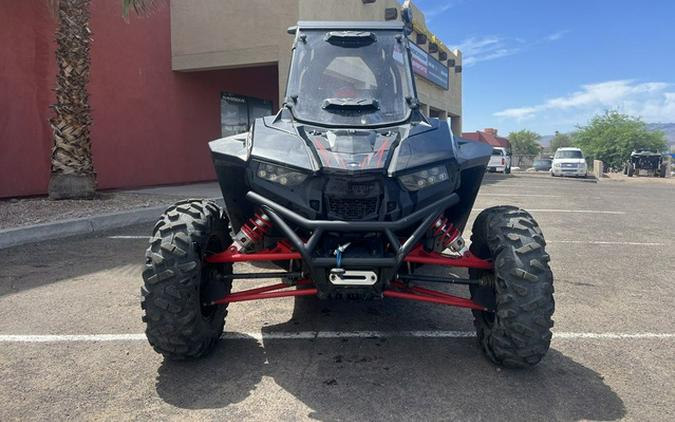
(549, 66)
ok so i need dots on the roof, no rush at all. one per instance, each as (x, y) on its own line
(396, 25)
(487, 138)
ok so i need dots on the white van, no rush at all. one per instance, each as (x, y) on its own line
(569, 162)
(500, 161)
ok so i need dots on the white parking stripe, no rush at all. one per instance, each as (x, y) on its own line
(128, 237)
(599, 242)
(56, 338)
(307, 335)
(567, 211)
(519, 195)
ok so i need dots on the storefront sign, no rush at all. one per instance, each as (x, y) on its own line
(428, 67)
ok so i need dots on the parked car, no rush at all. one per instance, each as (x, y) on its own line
(500, 161)
(543, 164)
(569, 162)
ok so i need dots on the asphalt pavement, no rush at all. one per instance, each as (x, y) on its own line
(71, 343)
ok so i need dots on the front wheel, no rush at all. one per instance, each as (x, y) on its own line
(178, 283)
(517, 333)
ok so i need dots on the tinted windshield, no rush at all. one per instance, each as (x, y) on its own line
(350, 78)
(542, 162)
(568, 154)
(497, 152)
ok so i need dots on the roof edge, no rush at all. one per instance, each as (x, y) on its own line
(350, 25)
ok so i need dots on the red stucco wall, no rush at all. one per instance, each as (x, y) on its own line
(27, 69)
(151, 125)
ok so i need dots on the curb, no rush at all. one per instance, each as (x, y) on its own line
(521, 174)
(77, 226)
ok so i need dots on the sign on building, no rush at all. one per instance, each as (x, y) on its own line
(429, 68)
(238, 112)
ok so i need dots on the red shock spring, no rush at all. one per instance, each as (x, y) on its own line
(257, 226)
(252, 232)
(447, 232)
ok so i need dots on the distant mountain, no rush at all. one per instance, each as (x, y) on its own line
(545, 141)
(667, 128)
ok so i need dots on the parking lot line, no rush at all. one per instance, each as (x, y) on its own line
(566, 211)
(309, 335)
(600, 242)
(128, 237)
(526, 195)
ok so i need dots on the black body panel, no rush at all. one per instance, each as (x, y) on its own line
(346, 194)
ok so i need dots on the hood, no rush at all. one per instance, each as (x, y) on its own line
(351, 149)
(393, 149)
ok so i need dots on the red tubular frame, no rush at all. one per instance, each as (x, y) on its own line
(282, 251)
(267, 292)
(468, 260)
(432, 296)
(404, 292)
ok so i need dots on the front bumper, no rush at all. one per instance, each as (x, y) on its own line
(318, 267)
(279, 213)
(574, 172)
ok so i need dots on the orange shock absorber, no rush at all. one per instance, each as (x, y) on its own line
(252, 232)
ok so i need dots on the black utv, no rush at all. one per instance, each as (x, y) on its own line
(646, 163)
(349, 190)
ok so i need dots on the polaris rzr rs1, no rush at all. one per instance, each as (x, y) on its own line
(644, 162)
(349, 190)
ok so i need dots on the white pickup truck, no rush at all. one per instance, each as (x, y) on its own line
(500, 161)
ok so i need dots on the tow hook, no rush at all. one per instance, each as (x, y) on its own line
(338, 253)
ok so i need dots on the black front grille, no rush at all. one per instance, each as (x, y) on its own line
(352, 208)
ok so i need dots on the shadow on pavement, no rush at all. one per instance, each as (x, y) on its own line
(215, 381)
(388, 378)
(494, 178)
(30, 266)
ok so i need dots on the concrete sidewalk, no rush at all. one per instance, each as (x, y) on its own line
(194, 190)
(105, 221)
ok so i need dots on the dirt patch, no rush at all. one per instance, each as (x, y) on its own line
(27, 211)
(619, 177)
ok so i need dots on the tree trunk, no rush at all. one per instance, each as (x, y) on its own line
(72, 169)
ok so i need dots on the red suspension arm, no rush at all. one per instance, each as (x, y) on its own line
(468, 260)
(281, 252)
(267, 292)
(432, 296)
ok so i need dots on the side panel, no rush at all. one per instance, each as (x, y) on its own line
(473, 158)
(230, 158)
(425, 144)
(280, 146)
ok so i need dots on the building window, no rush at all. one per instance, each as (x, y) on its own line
(238, 112)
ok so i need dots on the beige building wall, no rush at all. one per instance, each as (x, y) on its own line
(216, 34)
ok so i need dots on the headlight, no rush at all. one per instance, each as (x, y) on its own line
(280, 175)
(424, 178)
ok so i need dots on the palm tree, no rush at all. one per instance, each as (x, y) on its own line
(72, 169)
